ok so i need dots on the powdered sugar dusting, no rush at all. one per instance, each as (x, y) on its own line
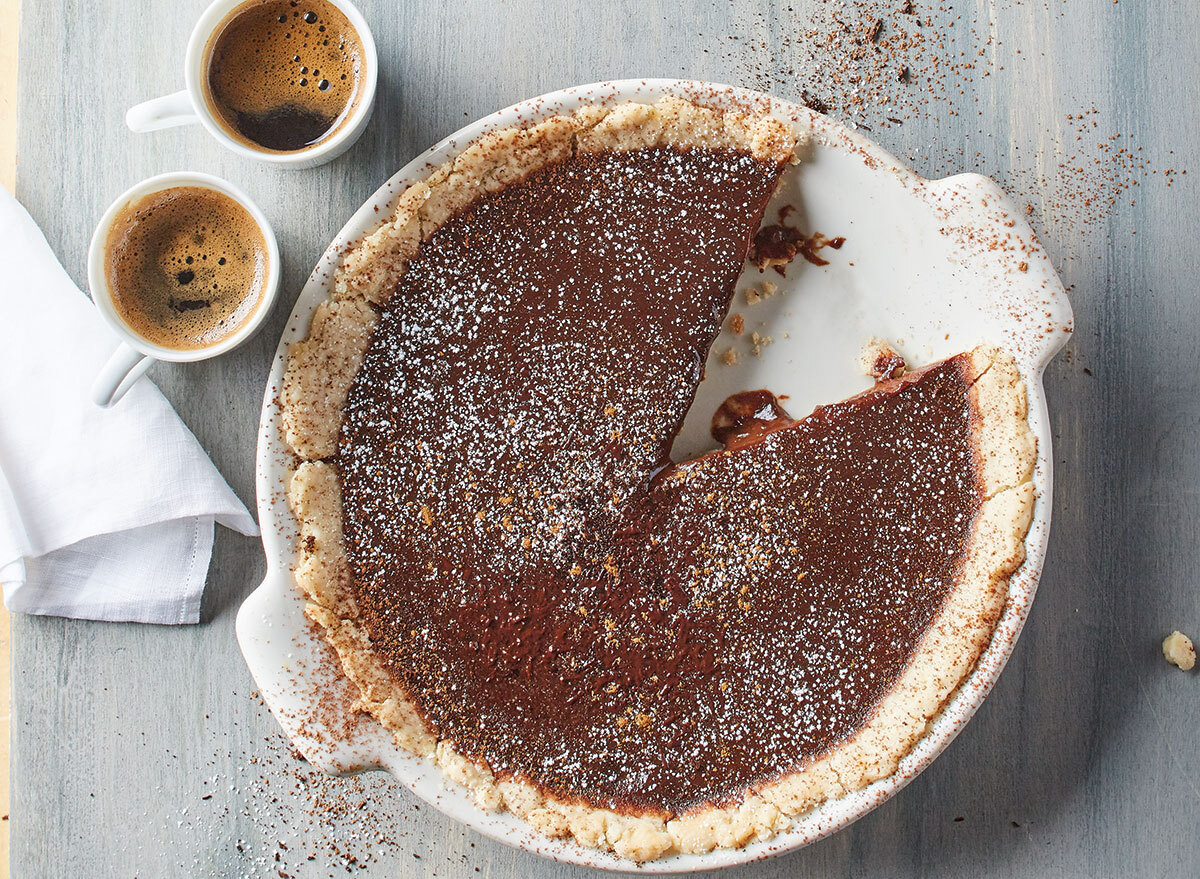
(552, 611)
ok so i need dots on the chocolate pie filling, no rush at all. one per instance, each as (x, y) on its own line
(557, 597)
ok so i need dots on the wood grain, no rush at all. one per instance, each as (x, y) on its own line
(9, 22)
(142, 751)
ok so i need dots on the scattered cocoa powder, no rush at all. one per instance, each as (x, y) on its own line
(877, 64)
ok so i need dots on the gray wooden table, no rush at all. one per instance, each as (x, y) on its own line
(142, 751)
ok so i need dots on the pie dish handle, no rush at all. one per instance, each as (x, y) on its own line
(290, 665)
(972, 201)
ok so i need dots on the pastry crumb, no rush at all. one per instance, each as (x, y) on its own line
(737, 323)
(764, 290)
(729, 357)
(880, 360)
(758, 342)
(1179, 650)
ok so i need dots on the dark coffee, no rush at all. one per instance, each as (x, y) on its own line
(284, 75)
(186, 267)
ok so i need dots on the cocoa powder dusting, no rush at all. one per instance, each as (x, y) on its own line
(880, 64)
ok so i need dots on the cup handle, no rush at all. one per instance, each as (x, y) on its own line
(165, 112)
(120, 374)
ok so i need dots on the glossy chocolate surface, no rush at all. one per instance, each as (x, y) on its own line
(746, 416)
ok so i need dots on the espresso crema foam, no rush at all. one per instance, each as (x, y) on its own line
(284, 74)
(186, 267)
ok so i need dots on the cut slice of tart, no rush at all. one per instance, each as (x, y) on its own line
(648, 656)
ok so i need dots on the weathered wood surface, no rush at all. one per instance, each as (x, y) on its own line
(139, 751)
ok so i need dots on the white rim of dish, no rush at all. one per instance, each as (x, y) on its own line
(968, 202)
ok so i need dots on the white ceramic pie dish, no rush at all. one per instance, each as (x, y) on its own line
(933, 266)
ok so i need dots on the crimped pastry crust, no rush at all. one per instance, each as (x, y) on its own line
(322, 368)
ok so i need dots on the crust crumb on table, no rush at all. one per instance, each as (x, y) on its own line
(758, 342)
(1179, 650)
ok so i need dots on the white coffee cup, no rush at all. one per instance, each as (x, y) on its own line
(136, 354)
(191, 105)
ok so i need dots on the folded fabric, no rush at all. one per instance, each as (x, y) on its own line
(105, 514)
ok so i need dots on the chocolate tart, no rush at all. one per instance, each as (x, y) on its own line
(648, 656)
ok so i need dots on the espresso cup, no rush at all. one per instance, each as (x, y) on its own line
(136, 353)
(195, 102)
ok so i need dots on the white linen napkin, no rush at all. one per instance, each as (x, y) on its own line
(105, 514)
